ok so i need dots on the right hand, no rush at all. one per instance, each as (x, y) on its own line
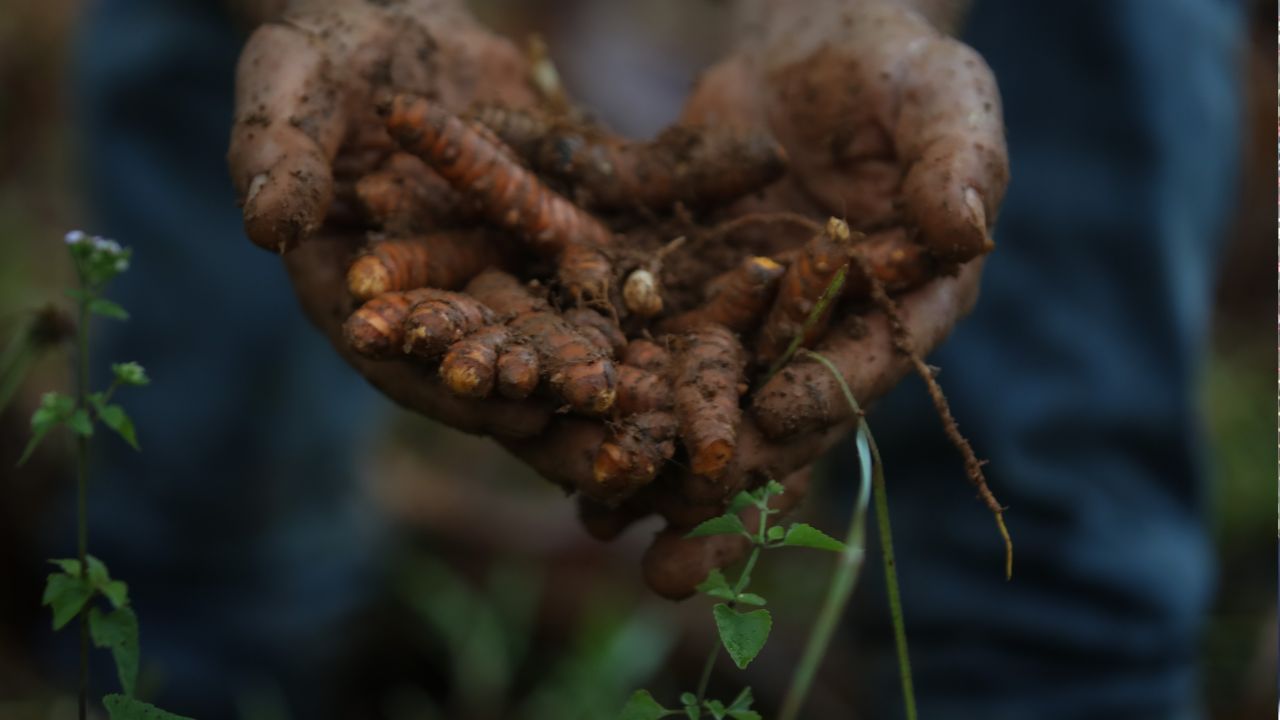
(307, 126)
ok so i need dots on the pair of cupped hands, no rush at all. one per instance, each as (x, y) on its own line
(885, 120)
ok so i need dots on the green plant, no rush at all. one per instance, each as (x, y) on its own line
(82, 588)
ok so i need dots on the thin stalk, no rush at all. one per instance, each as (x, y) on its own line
(828, 296)
(82, 490)
(705, 680)
(891, 585)
(738, 587)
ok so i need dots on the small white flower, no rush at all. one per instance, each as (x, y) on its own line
(75, 237)
(122, 265)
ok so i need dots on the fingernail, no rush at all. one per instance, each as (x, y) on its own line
(978, 217)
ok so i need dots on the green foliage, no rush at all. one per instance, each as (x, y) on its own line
(117, 631)
(130, 373)
(107, 309)
(66, 595)
(114, 417)
(721, 525)
(743, 634)
(55, 409)
(803, 535)
(122, 707)
(642, 706)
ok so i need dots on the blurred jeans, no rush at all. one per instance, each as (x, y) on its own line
(1076, 376)
(240, 527)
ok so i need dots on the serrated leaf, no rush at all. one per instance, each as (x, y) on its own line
(773, 487)
(130, 373)
(54, 408)
(120, 707)
(80, 424)
(688, 699)
(751, 599)
(98, 574)
(805, 535)
(743, 701)
(775, 533)
(692, 712)
(716, 708)
(117, 631)
(743, 634)
(114, 417)
(116, 591)
(641, 706)
(66, 595)
(721, 525)
(107, 309)
(716, 585)
(740, 502)
(70, 566)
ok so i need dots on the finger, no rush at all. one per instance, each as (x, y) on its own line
(805, 397)
(564, 452)
(317, 269)
(674, 565)
(289, 124)
(950, 135)
(606, 523)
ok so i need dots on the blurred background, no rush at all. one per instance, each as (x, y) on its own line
(500, 605)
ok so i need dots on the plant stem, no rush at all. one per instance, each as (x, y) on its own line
(82, 490)
(745, 577)
(705, 680)
(844, 579)
(891, 585)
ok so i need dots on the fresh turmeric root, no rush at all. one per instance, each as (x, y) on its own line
(376, 330)
(435, 324)
(441, 260)
(708, 376)
(632, 455)
(470, 367)
(405, 197)
(508, 194)
(641, 391)
(802, 285)
(736, 299)
(577, 370)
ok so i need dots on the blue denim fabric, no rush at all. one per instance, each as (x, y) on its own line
(1076, 377)
(240, 527)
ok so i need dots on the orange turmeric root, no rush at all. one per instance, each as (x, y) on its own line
(376, 330)
(508, 194)
(736, 299)
(609, 334)
(518, 371)
(470, 367)
(435, 324)
(440, 260)
(632, 455)
(686, 164)
(646, 355)
(405, 196)
(577, 371)
(809, 275)
(707, 374)
(641, 391)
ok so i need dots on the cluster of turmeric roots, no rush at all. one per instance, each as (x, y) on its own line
(535, 256)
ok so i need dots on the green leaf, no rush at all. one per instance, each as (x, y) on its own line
(722, 525)
(75, 294)
(773, 487)
(740, 708)
(107, 309)
(740, 502)
(743, 634)
(641, 706)
(804, 535)
(688, 699)
(751, 599)
(716, 708)
(98, 575)
(120, 707)
(775, 533)
(117, 631)
(66, 595)
(692, 712)
(130, 373)
(116, 591)
(80, 424)
(114, 417)
(70, 566)
(54, 408)
(716, 585)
